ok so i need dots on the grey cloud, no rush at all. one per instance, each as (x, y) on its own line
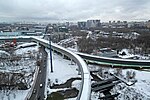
(74, 9)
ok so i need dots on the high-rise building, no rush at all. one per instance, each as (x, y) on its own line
(93, 23)
(82, 25)
(148, 24)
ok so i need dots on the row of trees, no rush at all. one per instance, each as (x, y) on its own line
(140, 45)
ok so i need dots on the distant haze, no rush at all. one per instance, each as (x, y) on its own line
(74, 10)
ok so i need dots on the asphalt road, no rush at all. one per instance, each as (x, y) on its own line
(38, 91)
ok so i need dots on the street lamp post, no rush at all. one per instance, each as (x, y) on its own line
(46, 31)
(50, 53)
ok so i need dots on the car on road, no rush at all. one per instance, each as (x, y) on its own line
(34, 91)
(41, 85)
(39, 71)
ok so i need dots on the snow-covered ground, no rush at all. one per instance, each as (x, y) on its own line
(26, 45)
(13, 95)
(4, 52)
(139, 91)
(26, 50)
(23, 65)
(63, 70)
(127, 55)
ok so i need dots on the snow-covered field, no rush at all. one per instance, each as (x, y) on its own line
(13, 95)
(139, 91)
(26, 45)
(23, 65)
(63, 70)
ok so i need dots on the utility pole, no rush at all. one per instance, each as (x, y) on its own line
(50, 54)
(50, 51)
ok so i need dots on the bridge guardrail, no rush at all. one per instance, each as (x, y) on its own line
(128, 63)
(32, 87)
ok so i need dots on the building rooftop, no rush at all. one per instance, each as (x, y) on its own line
(10, 34)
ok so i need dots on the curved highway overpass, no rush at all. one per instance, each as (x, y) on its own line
(85, 90)
(115, 62)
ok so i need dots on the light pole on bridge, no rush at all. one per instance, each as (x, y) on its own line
(50, 51)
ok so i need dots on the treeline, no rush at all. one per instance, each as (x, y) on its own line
(123, 30)
(141, 45)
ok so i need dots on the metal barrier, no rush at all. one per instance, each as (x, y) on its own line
(32, 87)
(126, 63)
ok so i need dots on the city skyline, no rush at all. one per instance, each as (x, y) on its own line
(74, 10)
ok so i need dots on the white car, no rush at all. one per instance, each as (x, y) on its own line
(34, 91)
(41, 85)
(39, 71)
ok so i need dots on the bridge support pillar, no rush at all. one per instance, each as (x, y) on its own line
(72, 62)
(38, 44)
(79, 71)
(63, 56)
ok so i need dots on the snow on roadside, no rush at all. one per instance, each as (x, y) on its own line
(76, 84)
(25, 50)
(14, 95)
(26, 44)
(141, 89)
(4, 52)
(94, 96)
(19, 94)
(63, 69)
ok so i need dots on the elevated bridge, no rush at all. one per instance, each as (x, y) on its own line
(116, 62)
(85, 90)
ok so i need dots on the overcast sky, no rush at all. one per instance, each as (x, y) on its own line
(74, 10)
